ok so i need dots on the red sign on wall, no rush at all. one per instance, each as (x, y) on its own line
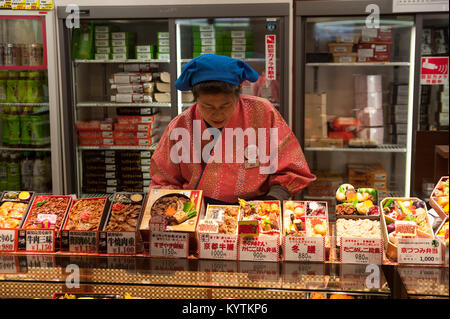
(434, 70)
(271, 66)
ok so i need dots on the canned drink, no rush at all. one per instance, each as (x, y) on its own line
(36, 54)
(26, 52)
(12, 54)
(2, 54)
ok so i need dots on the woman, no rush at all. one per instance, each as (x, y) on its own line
(228, 145)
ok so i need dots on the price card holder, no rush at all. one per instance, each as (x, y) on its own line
(117, 243)
(259, 248)
(169, 244)
(79, 241)
(426, 251)
(309, 249)
(37, 241)
(361, 251)
(7, 240)
(218, 246)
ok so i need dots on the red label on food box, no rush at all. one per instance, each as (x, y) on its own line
(405, 228)
(7, 240)
(169, 244)
(248, 228)
(157, 224)
(218, 246)
(434, 70)
(271, 65)
(297, 248)
(208, 226)
(261, 248)
(361, 251)
(419, 251)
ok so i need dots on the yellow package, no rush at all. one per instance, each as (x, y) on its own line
(18, 4)
(32, 4)
(5, 4)
(46, 4)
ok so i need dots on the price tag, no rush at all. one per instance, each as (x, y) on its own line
(361, 251)
(79, 241)
(262, 248)
(117, 243)
(405, 228)
(46, 220)
(169, 244)
(42, 240)
(248, 228)
(218, 246)
(304, 248)
(419, 251)
(7, 240)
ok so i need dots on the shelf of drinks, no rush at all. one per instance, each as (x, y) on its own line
(378, 64)
(249, 60)
(23, 68)
(82, 61)
(119, 148)
(111, 104)
(25, 149)
(23, 104)
(385, 148)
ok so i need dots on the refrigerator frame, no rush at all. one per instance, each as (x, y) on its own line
(51, 54)
(170, 12)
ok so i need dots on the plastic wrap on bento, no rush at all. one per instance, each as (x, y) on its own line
(225, 216)
(267, 213)
(361, 202)
(14, 207)
(305, 219)
(409, 210)
(442, 232)
(440, 197)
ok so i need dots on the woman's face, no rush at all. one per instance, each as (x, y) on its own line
(217, 109)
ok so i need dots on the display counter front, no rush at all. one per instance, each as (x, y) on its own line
(43, 276)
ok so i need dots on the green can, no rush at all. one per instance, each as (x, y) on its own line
(14, 127)
(40, 129)
(11, 87)
(22, 87)
(5, 126)
(25, 127)
(34, 92)
(3, 86)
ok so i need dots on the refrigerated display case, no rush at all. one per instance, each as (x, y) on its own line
(355, 108)
(166, 32)
(30, 135)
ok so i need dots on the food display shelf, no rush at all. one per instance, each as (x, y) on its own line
(385, 148)
(119, 148)
(109, 104)
(358, 64)
(80, 61)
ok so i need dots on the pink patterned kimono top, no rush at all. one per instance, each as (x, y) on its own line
(234, 165)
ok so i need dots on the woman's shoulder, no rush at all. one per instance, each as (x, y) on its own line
(184, 119)
(256, 102)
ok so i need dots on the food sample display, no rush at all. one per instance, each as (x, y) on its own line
(439, 197)
(226, 216)
(86, 214)
(124, 212)
(13, 208)
(442, 233)
(357, 228)
(410, 210)
(47, 212)
(178, 210)
(267, 213)
(305, 219)
(361, 201)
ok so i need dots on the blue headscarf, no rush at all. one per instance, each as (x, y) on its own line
(212, 67)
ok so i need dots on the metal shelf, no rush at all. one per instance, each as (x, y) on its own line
(386, 148)
(25, 104)
(359, 64)
(25, 149)
(118, 148)
(250, 60)
(81, 61)
(111, 104)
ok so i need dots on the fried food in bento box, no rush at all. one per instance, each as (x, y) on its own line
(11, 213)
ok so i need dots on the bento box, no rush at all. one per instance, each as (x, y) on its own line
(356, 203)
(125, 212)
(305, 219)
(412, 210)
(87, 214)
(439, 198)
(14, 207)
(217, 232)
(442, 232)
(174, 211)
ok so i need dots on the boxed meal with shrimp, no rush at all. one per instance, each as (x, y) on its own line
(303, 220)
(174, 211)
(398, 212)
(439, 198)
(217, 232)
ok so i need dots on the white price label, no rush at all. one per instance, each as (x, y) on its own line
(260, 248)
(419, 251)
(169, 244)
(218, 246)
(79, 241)
(361, 251)
(36, 240)
(304, 248)
(117, 243)
(7, 240)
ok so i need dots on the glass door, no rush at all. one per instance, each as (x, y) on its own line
(25, 143)
(256, 41)
(358, 106)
